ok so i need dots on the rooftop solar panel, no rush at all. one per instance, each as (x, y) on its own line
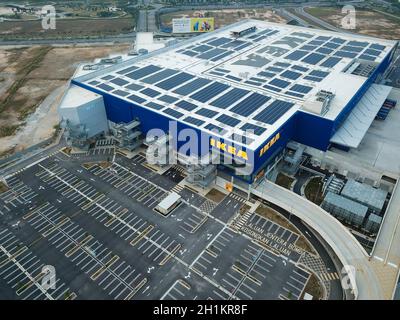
(300, 68)
(192, 86)
(358, 43)
(266, 74)
(331, 62)
(233, 78)
(324, 50)
(168, 99)
(372, 52)
(206, 113)
(119, 81)
(221, 56)
(126, 70)
(351, 49)
(256, 129)
(174, 81)
(366, 57)
(211, 54)
(219, 41)
(134, 87)
(190, 53)
(233, 44)
(222, 70)
(319, 73)
(105, 87)
(279, 83)
(186, 105)
(244, 45)
(296, 55)
(94, 82)
(274, 69)
(331, 45)
(229, 98)
(215, 73)
(323, 38)
(345, 54)
(300, 88)
(159, 76)
(273, 112)
(272, 88)
(135, 98)
(315, 79)
(108, 77)
(253, 83)
(173, 113)
(308, 48)
(155, 106)
(282, 64)
(377, 46)
(120, 93)
(338, 40)
(250, 104)
(194, 121)
(228, 120)
(209, 92)
(202, 48)
(294, 94)
(313, 58)
(315, 43)
(291, 75)
(215, 128)
(143, 72)
(150, 92)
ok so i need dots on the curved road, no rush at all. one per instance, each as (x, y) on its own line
(366, 284)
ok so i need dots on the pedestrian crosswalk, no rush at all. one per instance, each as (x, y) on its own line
(329, 276)
(241, 220)
(180, 169)
(178, 188)
(237, 198)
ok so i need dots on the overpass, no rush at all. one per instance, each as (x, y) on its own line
(366, 282)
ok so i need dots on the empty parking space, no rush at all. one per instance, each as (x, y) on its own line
(23, 272)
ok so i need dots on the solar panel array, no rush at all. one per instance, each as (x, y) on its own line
(213, 104)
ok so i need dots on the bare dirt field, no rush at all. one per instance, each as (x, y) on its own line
(33, 83)
(368, 22)
(65, 28)
(225, 17)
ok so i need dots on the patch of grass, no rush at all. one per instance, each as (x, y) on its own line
(313, 287)
(313, 190)
(215, 195)
(3, 187)
(284, 180)
(8, 130)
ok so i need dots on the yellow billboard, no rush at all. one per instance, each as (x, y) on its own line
(201, 24)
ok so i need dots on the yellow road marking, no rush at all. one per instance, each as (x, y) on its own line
(102, 269)
(119, 214)
(76, 247)
(136, 289)
(141, 235)
(96, 199)
(29, 214)
(29, 284)
(169, 255)
(15, 255)
(64, 221)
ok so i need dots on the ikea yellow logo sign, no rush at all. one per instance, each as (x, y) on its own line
(270, 144)
(229, 149)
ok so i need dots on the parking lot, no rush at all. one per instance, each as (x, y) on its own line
(96, 225)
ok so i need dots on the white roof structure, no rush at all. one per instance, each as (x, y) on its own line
(255, 81)
(167, 202)
(360, 119)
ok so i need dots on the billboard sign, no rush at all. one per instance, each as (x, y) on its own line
(192, 25)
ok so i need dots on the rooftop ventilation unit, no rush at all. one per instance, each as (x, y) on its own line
(319, 104)
(243, 32)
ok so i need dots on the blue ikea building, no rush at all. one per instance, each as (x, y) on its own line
(246, 89)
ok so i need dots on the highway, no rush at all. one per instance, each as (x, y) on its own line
(366, 283)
